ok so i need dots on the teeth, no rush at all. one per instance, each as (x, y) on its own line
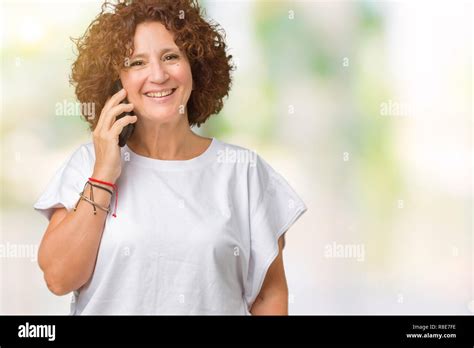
(160, 94)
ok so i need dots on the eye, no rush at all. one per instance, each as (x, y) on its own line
(171, 57)
(137, 63)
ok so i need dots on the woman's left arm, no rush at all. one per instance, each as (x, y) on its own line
(273, 297)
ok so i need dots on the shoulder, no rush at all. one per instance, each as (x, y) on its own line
(84, 148)
(235, 154)
(82, 155)
(247, 162)
(87, 149)
(227, 147)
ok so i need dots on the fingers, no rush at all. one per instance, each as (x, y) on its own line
(115, 99)
(120, 124)
(112, 101)
(111, 115)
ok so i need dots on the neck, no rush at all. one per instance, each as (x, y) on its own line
(164, 141)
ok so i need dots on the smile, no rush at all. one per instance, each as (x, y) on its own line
(161, 94)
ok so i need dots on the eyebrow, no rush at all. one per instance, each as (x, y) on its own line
(144, 55)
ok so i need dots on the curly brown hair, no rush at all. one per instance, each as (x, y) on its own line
(108, 42)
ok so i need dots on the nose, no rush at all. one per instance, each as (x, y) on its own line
(158, 74)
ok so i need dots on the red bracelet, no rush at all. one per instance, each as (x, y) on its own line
(116, 192)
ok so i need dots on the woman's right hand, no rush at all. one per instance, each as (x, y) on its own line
(105, 136)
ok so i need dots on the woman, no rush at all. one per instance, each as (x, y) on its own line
(198, 224)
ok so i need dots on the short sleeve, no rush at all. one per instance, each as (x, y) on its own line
(63, 189)
(274, 207)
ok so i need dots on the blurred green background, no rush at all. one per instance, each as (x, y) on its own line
(364, 107)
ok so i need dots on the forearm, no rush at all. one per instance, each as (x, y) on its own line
(68, 252)
(274, 304)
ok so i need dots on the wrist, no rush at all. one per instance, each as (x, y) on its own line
(104, 176)
(106, 180)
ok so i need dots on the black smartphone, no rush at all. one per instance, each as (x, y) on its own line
(127, 131)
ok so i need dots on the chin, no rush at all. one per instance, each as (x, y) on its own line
(162, 117)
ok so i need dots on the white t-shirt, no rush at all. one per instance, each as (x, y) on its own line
(190, 237)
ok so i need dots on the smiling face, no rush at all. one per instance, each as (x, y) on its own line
(158, 80)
